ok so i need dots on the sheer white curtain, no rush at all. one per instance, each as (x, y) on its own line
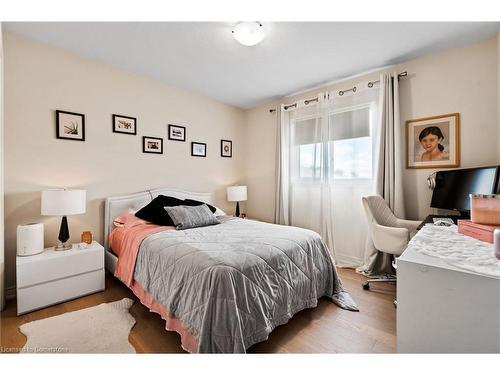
(354, 117)
(325, 157)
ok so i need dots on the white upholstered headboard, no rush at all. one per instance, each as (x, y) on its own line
(114, 206)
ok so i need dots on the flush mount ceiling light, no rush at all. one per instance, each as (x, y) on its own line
(249, 33)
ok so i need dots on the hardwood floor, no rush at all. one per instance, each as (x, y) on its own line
(324, 329)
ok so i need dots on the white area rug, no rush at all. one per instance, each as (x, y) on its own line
(99, 329)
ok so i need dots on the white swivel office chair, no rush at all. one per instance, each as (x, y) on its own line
(389, 233)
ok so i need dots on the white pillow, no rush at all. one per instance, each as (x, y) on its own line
(219, 212)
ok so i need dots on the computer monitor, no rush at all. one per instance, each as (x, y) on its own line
(454, 186)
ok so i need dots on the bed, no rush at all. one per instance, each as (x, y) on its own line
(223, 287)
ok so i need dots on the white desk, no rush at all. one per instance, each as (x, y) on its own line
(444, 309)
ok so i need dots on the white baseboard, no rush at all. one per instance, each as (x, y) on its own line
(348, 262)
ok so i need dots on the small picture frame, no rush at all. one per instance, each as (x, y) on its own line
(176, 133)
(124, 124)
(226, 148)
(70, 125)
(152, 145)
(198, 149)
(433, 142)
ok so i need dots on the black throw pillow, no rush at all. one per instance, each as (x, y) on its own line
(155, 213)
(192, 202)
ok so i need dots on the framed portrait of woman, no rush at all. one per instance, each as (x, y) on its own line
(433, 142)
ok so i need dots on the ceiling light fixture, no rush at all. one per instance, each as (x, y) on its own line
(249, 33)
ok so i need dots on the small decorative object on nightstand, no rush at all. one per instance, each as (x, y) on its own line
(56, 276)
(237, 194)
(87, 237)
(62, 202)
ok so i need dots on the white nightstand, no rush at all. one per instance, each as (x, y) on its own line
(56, 276)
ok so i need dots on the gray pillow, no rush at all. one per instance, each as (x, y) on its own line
(185, 217)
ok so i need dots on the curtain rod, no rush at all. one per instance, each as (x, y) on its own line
(306, 102)
(400, 75)
(341, 92)
(370, 84)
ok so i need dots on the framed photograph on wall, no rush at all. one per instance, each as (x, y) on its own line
(124, 124)
(70, 125)
(433, 142)
(176, 133)
(152, 145)
(226, 148)
(198, 149)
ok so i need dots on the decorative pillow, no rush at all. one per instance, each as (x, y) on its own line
(192, 202)
(185, 217)
(127, 220)
(154, 212)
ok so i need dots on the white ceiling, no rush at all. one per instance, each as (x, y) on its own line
(203, 57)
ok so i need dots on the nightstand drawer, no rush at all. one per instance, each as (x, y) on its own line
(42, 295)
(54, 265)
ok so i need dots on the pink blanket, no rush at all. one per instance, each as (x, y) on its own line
(125, 240)
(188, 341)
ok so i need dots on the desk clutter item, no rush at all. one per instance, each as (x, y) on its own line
(29, 239)
(442, 221)
(485, 209)
(478, 231)
(496, 243)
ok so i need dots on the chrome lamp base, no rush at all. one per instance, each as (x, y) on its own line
(62, 247)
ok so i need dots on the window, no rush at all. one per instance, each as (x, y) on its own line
(310, 161)
(351, 143)
(352, 158)
(346, 156)
(308, 148)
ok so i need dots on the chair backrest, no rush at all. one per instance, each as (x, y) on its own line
(378, 211)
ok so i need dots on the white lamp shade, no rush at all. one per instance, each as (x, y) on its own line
(236, 193)
(61, 202)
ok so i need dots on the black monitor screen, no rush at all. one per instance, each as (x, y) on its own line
(453, 187)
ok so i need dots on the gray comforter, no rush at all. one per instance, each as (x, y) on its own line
(233, 283)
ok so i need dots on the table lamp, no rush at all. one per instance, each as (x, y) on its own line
(237, 194)
(62, 202)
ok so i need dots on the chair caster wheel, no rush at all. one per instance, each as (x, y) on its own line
(366, 285)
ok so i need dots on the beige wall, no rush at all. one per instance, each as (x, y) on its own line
(459, 80)
(260, 161)
(40, 79)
